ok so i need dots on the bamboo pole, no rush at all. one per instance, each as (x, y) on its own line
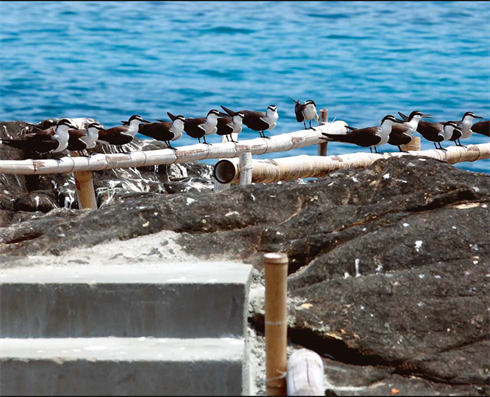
(85, 188)
(184, 154)
(276, 273)
(413, 146)
(289, 168)
(322, 147)
(305, 374)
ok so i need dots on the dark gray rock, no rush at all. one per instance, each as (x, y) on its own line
(389, 264)
(42, 200)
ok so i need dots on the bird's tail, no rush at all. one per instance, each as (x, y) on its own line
(405, 118)
(15, 143)
(338, 137)
(229, 111)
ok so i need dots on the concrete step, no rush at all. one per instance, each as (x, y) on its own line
(123, 366)
(179, 300)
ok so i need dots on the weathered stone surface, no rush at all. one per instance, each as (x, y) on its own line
(41, 200)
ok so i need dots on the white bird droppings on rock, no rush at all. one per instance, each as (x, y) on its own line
(190, 200)
(418, 245)
(386, 176)
(358, 274)
(406, 224)
(232, 213)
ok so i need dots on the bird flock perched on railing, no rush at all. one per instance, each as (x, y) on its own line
(66, 136)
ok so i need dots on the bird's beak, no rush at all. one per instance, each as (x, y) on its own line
(146, 121)
(426, 116)
(478, 117)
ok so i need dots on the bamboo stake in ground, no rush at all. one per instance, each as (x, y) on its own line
(413, 146)
(85, 188)
(276, 272)
(245, 164)
(322, 147)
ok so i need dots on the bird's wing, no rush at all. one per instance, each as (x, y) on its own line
(298, 109)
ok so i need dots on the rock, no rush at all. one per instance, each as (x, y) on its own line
(108, 184)
(388, 264)
(43, 201)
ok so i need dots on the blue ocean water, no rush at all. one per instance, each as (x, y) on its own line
(361, 60)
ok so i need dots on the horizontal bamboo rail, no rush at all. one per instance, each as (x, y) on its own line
(227, 171)
(184, 154)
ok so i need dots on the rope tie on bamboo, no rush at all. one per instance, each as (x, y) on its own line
(281, 376)
(275, 323)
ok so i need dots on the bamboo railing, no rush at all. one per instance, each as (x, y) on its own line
(184, 154)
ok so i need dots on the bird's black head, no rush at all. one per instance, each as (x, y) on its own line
(309, 101)
(471, 114)
(66, 122)
(214, 111)
(137, 117)
(389, 117)
(95, 125)
(273, 108)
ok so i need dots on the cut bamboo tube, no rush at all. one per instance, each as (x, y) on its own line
(184, 154)
(322, 147)
(218, 187)
(289, 168)
(85, 188)
(276, 272)
(305, 374)
(413, 146)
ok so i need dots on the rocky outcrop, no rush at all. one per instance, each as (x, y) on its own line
(388, 264)
(44, 193)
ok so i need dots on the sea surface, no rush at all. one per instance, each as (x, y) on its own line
(361, 60)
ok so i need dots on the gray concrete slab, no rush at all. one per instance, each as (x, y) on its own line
(181, 300)
(123, 366)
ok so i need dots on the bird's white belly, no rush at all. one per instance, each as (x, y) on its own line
(310, 112)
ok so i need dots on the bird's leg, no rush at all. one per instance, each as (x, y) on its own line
(304, 123)
(440, 147)
(376, 149)
(371, 149)
(199, 140)
(400, 148)
(460, 144)
(435, 145)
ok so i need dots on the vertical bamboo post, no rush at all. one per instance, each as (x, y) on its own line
(245, 164)
(413, 146)
(322, 147)
(276, 272)
(85, 188)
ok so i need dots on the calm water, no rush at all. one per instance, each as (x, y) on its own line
(361, 60)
